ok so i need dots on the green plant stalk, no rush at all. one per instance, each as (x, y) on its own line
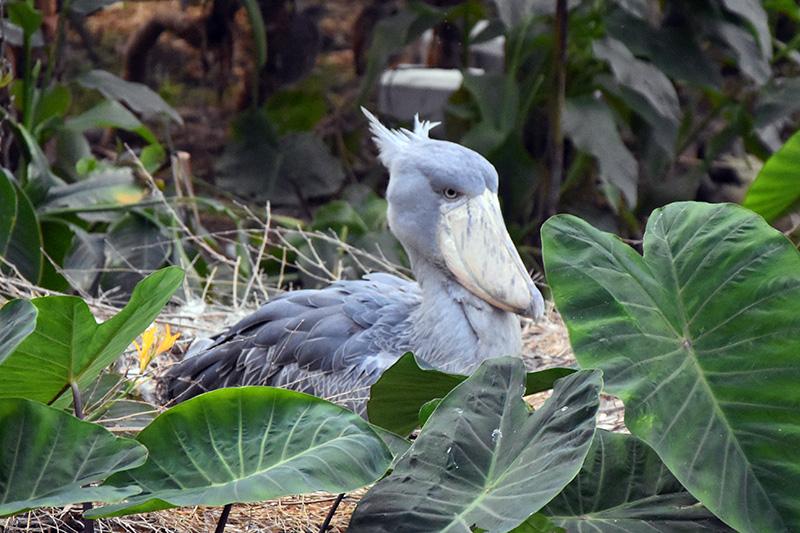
(530, 98)
(326, 523)
(77, 402)
(27, 83)
(53, 54)
(785, 49)
(514, 57)
(260, 42)
(556, 145)
(692, 136)
(105, 403)
(577, 170)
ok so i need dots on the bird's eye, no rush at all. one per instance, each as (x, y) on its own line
(450, 193)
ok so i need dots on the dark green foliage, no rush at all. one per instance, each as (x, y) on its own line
(19, 320)
(250, 444)
(49, 458)
(483, 459)
(397, 397)
(69, 346)
(776, 190)
(699, 339)
(623, 486)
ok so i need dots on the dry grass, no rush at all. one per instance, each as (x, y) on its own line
(292, 514)
(546, 345)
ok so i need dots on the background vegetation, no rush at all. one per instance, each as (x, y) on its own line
(615, 111)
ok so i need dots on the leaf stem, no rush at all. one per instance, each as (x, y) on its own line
(76, 401)
(88, 523)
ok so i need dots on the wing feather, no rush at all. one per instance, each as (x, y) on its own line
(333, 343)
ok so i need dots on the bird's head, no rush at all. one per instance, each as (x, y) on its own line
(443, 208)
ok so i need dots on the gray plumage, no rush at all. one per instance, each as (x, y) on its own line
(335, 342)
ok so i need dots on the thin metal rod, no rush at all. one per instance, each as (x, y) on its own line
(326, 524)
(88, 523)
(223, 518)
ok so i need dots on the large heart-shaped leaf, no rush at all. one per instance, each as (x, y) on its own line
(625, 488)
(483, 459)
(69, 346)
(776, 189)
(47, 456)
(250, 444)
(401, 391)
(18, 319)
(700, 340)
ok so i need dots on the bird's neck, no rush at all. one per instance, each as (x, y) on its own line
(459, 329)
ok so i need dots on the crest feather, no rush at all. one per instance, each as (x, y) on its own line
(393, 142)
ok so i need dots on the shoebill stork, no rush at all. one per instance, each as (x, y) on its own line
(335, 342)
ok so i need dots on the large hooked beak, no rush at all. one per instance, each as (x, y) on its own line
(478, 251)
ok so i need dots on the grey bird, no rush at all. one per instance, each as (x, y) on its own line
(335, 342)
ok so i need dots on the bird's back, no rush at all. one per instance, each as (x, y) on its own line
(332, 343)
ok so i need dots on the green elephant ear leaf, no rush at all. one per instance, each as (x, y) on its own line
(69, 346)
(48, 457)
(18, 319)
(624, 487)
(776, 189)
(250, 444)
(483, 459)
(395, 400)
(699, 338)
(538, 523)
